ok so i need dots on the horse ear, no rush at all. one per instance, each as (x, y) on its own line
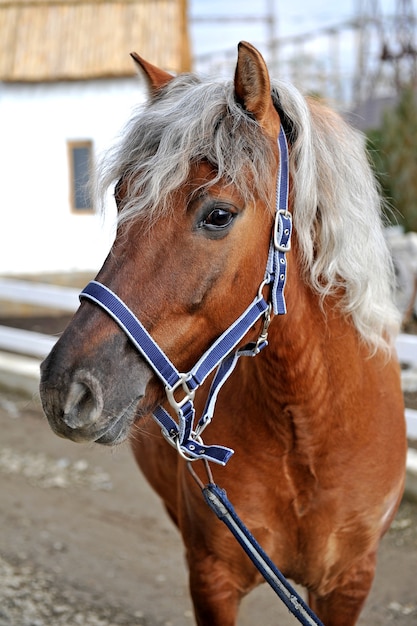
(155, 77)
(252, 83)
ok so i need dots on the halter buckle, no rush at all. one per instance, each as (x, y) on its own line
(189, 393)
(282, 231)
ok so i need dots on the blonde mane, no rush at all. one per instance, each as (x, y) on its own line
(338, 217)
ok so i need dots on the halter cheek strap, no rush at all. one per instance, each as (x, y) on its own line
(180, 387)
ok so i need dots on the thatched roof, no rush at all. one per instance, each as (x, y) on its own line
(48, 40)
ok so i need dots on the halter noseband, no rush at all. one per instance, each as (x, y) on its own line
(221, 354)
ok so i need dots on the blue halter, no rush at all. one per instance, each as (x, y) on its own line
(222, 355)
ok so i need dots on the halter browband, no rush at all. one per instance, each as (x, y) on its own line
(221, 354)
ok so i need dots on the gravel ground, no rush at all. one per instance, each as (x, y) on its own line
(29, 597)
(85, 542)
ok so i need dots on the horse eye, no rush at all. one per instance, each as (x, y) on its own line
(219, 218)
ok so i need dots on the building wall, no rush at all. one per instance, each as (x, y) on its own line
(38, 231)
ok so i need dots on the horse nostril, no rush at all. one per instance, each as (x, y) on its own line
(84, 402)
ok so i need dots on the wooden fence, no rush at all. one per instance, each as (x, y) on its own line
(37, 345)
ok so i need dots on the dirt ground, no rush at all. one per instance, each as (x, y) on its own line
(85, 542)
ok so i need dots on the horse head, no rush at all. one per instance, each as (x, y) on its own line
(190, 250)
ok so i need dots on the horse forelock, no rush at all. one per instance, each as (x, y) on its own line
(336, 204)
(190, 121)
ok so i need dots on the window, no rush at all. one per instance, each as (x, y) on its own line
(80, 155)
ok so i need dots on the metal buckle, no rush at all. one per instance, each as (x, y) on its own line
(174, 441)
(189, 393)
(278, 235)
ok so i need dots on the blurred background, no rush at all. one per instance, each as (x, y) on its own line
(67, 85)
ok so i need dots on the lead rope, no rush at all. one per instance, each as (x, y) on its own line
(218, 501)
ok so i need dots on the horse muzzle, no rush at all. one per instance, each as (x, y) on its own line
(84, 405)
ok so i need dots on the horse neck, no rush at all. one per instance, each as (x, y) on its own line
(305, 364)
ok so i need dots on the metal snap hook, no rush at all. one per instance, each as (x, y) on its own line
(263, 337)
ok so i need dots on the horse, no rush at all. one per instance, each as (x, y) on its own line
(315, 418)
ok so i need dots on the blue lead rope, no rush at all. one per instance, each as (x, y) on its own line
(217, 500)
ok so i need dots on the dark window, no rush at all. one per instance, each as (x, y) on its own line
(80, 162)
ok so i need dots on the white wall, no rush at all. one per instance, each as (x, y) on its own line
(38, 232)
